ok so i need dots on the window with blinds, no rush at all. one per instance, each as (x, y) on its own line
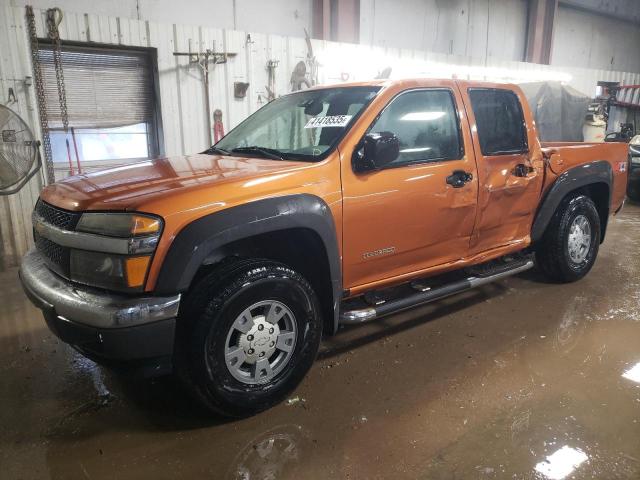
(111, 105)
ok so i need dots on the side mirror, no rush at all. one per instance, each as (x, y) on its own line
(376, 151)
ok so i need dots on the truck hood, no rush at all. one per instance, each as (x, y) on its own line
(130, 187)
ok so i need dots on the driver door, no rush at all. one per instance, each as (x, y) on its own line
(406, 217)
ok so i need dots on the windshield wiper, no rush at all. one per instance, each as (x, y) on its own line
(267, 152)
(211, 150)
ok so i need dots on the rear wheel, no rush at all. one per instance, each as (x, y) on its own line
(570, 244)
(248, 334)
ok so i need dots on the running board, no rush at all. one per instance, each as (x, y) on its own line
(360, 315)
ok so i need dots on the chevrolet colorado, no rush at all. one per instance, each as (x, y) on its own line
(333, 205)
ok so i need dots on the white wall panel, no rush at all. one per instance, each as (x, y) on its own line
(589, 40)
(161, 37)
(477, 28)
(285, 17)
(182, 92)
(236, 72)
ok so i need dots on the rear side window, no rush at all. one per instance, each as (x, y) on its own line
(501, 127)
(426, 124)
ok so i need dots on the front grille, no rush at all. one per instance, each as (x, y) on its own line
(57, 257)
(56, 216)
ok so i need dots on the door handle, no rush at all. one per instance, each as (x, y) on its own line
(458, 178)
(522, 170)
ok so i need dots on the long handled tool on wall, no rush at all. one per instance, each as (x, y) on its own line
(203, 60)
(271, 79)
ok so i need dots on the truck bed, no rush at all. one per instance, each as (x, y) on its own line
(572, 154)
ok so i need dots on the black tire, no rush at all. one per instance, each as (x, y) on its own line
(552, 255)
(206, 318)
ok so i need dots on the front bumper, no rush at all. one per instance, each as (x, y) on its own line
(107, 327)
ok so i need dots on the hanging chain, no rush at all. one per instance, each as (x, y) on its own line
(40, 95)
(54, 17)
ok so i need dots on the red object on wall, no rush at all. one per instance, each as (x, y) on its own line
(218, 127)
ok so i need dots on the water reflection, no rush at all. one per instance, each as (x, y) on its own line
(271, 454)
(520, 424)
(572, 325)
(561, 463)
(633, 373)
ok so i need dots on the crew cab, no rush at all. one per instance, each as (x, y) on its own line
(329, 206)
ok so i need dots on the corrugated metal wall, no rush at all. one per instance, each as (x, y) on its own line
(181, 90)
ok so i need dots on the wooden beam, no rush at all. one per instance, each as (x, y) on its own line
(317, 19)
(540, 26)
(336, 20)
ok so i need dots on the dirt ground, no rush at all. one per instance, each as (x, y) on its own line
(519, 379)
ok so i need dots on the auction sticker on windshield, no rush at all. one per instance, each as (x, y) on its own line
(331, 121)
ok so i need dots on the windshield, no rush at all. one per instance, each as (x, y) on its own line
(301, 126)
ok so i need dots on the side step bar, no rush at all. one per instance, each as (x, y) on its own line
(360, 315)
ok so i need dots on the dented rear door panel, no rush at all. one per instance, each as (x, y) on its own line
(510, 184)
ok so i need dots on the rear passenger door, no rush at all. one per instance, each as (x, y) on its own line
(510, 166)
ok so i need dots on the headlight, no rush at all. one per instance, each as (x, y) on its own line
(119, 224)
(635, 160)
(123, 261)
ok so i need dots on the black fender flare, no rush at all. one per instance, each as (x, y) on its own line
(195, 242)
(598, 171)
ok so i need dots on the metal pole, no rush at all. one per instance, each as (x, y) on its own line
(75, 146)
(207, 102)
(69, 157)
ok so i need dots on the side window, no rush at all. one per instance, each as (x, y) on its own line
(501, 127)
(426, 123)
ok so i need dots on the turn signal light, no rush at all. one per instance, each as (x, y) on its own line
(144, 225)
(137, 270)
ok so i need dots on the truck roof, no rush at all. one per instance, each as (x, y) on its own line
(412, 81)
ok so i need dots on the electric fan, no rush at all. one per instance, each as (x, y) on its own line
(19, 152)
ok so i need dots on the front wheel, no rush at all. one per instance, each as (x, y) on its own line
(248, 334)
(570, 244)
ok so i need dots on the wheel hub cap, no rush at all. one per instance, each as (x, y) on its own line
(579, 240)
(260, 342)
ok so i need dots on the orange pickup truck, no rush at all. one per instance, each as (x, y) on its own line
(330, 206)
